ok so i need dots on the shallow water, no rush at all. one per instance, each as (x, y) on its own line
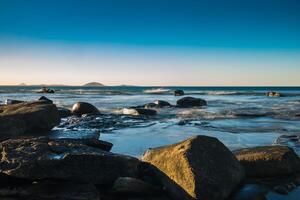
(238, 116)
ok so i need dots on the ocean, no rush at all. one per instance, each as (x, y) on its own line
(238, 116)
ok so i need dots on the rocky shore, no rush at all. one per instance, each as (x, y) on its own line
(36, 166)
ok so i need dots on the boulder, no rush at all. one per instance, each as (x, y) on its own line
(64, 112)
(46, 90)
(81, 108)
(273, 94)
(132, 186)
(43, 98)
(12, 101)
(41, 158)
(197, 168)
(51, 190)
(178, 92)
(187, 102)
(28, 117)
(138, 111)
(268, 161)
(158, 104)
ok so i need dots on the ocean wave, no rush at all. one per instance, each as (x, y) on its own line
(157, 91)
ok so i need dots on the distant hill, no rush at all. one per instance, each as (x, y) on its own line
(93, 84)
(22, 84)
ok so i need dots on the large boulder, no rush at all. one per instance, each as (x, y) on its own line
(28, 117)
(158, 104)
(178, 92)
(81, 108)
(198, 168)
(41, 158)
(268, 161)
(139, 111)
(187, 102)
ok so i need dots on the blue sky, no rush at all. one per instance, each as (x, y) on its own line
(150, 42)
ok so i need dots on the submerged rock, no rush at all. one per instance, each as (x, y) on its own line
(158, 104)
(197, 168)
(81, 108)
(28, 117)
(250, 192)
(178, 92)
(138, 111)
(268, 161)
(41, 158)
(191, 102)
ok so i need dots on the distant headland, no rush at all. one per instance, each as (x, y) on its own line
(94, 84)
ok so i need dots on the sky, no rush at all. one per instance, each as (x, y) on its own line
(150, 42)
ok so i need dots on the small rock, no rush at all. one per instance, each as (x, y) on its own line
(281, 190)
(81, 108)
(187, 102)
(43, 98)
(12, 101)
(158, 104)
(138, 111)
(64, 112)
(273, 94)
(45, 90)
(178, 92)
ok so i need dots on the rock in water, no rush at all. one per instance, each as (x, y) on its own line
(198, 168)
(158, 104)
(64, 112)
(138, 111)
(268, 161)
(12, 101)
(28, 117)
(273, 94)
(187, 102)
(178, 92)
(81, 108)
(43, 98)
(41, 158)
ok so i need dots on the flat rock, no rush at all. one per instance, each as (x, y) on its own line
(28, 117)
(268, 161)
(41, 158)
(197, 168)
(187, 102)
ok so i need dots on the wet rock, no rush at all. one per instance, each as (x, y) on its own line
(139, 111)
(43, 98)
(28, 117)
(250, 192)
(178, 92)
(12, 101)
(41, 158)
(268, 161)
(46, 90)
(273, 94)
(81, 108)
(64, 112)
(129, 186)
(51, 190)
(187, 102)
(281, 190)
(198, 168)
(158, 104)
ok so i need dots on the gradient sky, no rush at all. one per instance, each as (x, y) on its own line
(150, 42)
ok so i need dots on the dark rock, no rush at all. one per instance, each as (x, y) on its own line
(197, 168)
(52, 190)
(43, 98)
(250, 192)
(64, 112)
(268, 161)
(132, 186)
(41, 158)
(28, 117)
(12, 101)
(178, 92)
(46, 90)
(281, 190)
(273, 94)
(158, 104)
(138, 111)
(187, 102)
(81, 108)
